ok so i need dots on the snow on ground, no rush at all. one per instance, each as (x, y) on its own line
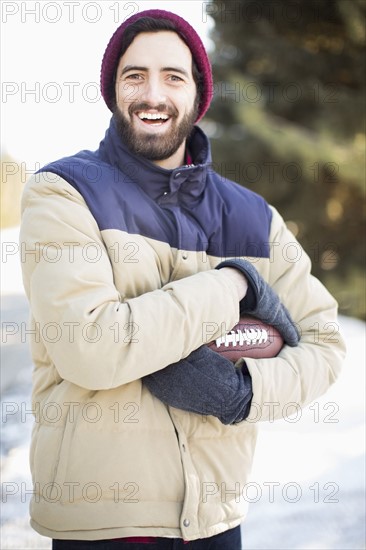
(311, 472)
(307, 489)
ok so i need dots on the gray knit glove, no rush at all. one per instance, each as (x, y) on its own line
(262, 302)
(204, 383)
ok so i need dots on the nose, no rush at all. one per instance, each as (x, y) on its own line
(153, 91)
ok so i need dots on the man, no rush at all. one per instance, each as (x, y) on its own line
(138, 247)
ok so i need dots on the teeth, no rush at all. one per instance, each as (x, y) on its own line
(153, 116)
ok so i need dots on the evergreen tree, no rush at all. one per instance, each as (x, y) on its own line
(288, 121)
(13, 177)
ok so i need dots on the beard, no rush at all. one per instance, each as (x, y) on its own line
(154, 147)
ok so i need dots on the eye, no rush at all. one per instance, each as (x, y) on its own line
(133, 76)
(175, 78)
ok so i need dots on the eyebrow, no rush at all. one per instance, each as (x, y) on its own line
(163, 69)
(175, 70)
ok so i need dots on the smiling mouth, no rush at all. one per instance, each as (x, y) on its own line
(153, 119)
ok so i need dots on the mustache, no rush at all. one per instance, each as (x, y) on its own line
(161, 108)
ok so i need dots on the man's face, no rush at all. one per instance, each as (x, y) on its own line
(155, 95)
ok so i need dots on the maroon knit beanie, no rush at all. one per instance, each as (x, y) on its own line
(185, 31)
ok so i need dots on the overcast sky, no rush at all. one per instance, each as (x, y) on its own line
(51, 56)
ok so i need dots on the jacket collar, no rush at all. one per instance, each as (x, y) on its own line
(184, 184)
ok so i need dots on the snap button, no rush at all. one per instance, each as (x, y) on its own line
(165, 193)
(186, 523)
(184, 255)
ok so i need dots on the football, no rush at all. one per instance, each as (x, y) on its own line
(249, 338)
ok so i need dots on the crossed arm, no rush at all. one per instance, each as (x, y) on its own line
(207, 383)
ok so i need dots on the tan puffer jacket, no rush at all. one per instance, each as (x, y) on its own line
(108, 459)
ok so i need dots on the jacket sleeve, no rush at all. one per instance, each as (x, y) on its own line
(95, 337)
(298, 375)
